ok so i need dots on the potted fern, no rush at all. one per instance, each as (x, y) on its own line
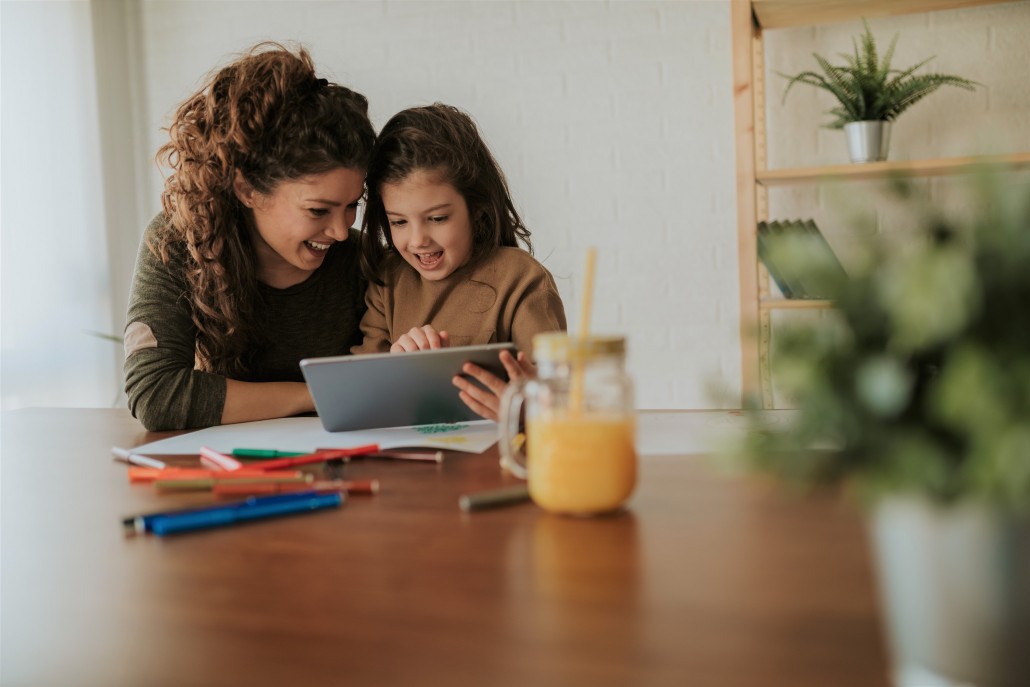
(916, 396)
(871, 94)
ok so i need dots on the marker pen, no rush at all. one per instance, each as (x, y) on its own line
(127, 456)
(493, 498)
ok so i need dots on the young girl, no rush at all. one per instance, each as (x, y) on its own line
(440, 245)
(249, 268)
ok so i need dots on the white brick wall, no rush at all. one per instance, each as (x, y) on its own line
(612, 120)
(614, 123)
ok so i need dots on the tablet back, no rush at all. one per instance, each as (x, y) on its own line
(355, 392)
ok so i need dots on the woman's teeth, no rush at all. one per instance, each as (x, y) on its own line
(317, 246)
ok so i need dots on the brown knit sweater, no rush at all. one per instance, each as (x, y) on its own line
(505, 296)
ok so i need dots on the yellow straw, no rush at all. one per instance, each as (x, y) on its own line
(584, 330)
(588, 294)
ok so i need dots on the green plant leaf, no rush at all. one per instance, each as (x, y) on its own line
(866, 87)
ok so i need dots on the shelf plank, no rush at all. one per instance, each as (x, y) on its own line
(793, 304)
(884, 170)
(779, 14)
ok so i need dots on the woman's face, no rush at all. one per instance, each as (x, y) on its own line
(429, 224)
(295, 225)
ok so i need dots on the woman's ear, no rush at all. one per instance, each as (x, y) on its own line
(243, 189)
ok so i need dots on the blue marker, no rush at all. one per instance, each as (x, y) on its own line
(252, 509)
(140, 524)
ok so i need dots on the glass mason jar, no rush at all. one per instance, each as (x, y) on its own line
(580, 425)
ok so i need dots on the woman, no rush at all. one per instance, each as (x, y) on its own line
(252, 265)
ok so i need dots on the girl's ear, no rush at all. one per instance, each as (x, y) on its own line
(243, 189)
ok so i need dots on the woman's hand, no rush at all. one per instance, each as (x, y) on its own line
(487, 402)
(422, 338)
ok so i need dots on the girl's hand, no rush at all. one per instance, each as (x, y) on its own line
(422, 338)
(487, 402)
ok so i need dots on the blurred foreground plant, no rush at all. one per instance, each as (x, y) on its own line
(920, 384)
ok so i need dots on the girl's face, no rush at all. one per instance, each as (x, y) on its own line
(296, 223)
(429, 224)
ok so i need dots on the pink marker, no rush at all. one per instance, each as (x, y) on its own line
(218, 461)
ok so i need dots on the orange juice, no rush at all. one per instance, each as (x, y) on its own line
(581, 463)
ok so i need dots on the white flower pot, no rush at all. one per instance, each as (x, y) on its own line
(955, 590)
(868, 141)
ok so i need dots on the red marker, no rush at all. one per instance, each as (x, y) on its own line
(429, 455)
(318, 457)
(137, 475)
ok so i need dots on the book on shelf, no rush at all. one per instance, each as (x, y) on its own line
(798, 258)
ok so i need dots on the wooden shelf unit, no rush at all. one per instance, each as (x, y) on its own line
(748, 19)
(885, 170)
(793, 304)
(781, 14)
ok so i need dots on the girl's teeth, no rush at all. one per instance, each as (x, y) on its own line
(429, 257)
(317, 246)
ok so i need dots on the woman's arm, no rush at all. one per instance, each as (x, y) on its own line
(249, 401)
(164, 390)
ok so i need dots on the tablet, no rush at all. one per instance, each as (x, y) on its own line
(353, 392)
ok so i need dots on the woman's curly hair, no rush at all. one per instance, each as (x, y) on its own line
(443, 139)
(270, 118)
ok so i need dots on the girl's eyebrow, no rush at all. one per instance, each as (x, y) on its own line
(441, 206)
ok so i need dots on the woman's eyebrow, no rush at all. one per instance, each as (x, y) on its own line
(322, 200)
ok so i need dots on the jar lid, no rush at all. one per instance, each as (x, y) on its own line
(559, 347)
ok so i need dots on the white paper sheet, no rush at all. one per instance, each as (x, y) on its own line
(658, 433)
(306, 434)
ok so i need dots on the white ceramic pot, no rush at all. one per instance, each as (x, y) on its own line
(955, 590)
(868, 141)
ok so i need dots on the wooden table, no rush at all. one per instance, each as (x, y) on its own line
(704, 580)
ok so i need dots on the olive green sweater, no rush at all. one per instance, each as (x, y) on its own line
(318, 317)
(505, 296)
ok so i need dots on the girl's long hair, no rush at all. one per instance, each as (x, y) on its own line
(268, 117)
(441, 139)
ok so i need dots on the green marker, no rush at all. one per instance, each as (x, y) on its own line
(262, 453)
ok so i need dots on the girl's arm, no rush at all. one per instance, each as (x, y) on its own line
(375, 326)
(540, 310)
(487, 403)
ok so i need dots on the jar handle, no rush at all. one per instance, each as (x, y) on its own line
(513, 459)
